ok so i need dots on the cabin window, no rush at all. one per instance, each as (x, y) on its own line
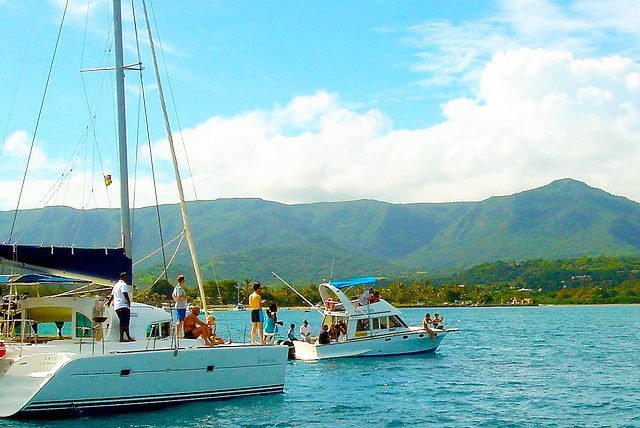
(159, 330)
(83, 326)
(396, 322)
(379, 323)
(165, 329)
(362, 325)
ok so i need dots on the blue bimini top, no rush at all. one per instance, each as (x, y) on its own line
(351, 282)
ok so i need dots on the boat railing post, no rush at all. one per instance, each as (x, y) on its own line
(153, 336)
(244, 335)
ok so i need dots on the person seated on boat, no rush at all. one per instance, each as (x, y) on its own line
(375, 297)
(195, 328)
(426, 324)
(271, 323)
(437, 321)
(291, 334)
(363, 300)
(305, 332)
(330, 304)
(211, 324)
(324, 338)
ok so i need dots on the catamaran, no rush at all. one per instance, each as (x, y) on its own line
(86, 368)
(371, 328)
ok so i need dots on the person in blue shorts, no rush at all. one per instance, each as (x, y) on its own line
(180, 297)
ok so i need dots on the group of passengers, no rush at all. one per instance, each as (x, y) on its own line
(191, 326)
(263, 330)
(429, 324)
(334, 333)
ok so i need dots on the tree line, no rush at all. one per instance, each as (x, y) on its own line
(581, 280)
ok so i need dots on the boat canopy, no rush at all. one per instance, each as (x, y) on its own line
(351, 282)
(36, 278)
(102, 265)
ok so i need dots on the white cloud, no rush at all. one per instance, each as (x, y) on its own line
(538, 116)
(78, 9)
(456, 53)
(15, 151)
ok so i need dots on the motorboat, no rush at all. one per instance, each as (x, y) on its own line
(61, 354)
(372, 329)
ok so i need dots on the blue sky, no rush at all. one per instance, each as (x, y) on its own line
(413, 101)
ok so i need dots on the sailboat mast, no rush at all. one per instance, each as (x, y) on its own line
(176, 169)
(125, 218)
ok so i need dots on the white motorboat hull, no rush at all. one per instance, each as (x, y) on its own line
(59, 382)
(399, 343)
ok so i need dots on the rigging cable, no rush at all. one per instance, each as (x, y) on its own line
(153, 173)
(35, 132)
(174, 104)
(196, 267)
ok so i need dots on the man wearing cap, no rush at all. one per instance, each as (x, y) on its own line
(122, 304)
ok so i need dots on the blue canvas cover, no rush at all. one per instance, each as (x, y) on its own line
(105, 264)
(36, 278)
(351, 282)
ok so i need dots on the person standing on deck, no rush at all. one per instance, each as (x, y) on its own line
(122, 304)
(255, 305)
(180, 297)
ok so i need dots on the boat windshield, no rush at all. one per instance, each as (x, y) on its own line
(396, 322)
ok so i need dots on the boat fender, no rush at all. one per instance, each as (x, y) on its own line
(3, 349)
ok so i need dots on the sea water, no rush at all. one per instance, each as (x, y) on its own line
(521, 366)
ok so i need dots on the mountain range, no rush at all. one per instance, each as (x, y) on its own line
(250, 238)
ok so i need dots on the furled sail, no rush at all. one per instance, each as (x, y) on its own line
(102, 265)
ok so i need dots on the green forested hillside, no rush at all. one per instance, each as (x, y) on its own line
(239, 238)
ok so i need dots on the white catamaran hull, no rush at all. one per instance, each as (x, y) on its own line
(407, 342)
(60, 382)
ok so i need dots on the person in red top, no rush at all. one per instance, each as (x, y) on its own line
(375, 297)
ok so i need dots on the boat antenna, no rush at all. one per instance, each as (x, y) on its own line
(333, 261)
(176, 170)
(296, 291)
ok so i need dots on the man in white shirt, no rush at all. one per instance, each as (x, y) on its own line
(180, 297)
(122, 304)
(305, 331)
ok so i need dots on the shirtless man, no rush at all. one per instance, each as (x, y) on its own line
(195, 328)
(255, 305)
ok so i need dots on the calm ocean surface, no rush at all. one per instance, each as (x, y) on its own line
(529, 366)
